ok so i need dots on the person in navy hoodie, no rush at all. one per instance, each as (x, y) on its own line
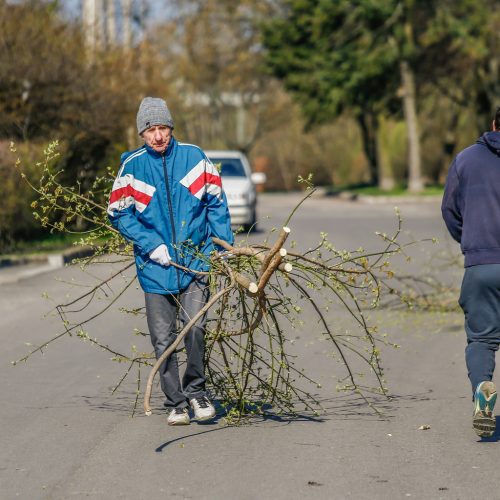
(167, 199)
(471, 211)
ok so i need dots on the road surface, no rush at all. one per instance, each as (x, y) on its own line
(64, 436)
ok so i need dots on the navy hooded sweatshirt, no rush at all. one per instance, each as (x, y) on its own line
(471, 201)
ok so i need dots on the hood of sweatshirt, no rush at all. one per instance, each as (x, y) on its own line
(491, 140)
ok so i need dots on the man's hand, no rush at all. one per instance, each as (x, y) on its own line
(160, 255)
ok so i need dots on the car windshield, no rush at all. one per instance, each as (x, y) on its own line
(230, 167)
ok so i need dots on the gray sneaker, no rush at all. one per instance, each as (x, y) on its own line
(203, 408)
(178, 416)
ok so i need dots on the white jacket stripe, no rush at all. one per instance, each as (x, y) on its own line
(131, 157)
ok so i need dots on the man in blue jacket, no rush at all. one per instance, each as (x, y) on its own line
(167, 200)
(471, 211)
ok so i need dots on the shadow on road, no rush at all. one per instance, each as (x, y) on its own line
(352, 407)
(338, 407)
(281, 419)
(496, 435)
(122, 403)
(183, 438)
(345, 406)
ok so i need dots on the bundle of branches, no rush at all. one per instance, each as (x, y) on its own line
(435, 287)
(258, 292)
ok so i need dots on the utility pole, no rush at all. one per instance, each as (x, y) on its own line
(99, 24)
(93, 26)
(127, 23)
(110, 11)
(88, 19)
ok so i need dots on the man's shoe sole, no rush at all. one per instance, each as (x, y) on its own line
(192, 403)
(179, 423)
(483, 420)
(484, 425)
(202, 419)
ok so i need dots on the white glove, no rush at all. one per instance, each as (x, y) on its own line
(160, 255)
(224, 255)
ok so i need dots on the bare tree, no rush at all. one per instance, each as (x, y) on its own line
(415, 183)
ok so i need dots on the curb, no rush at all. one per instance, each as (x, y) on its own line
(22, 261)
(372, 200)
(14, 268)
(64, 257)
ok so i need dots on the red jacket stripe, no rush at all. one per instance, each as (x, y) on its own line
(204, 178)
(127, 191)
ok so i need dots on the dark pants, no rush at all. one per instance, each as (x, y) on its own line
(480, 301)
(162, 313)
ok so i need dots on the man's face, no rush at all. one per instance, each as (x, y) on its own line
(158, 137)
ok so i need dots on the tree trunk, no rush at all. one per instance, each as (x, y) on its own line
(415, 183)
(385, 173)
(241, 119)
(368, 125)
(449, 146)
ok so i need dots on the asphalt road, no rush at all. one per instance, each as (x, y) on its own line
(64, 436)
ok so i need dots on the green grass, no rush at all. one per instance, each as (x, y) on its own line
(397, 191)
(44, 244)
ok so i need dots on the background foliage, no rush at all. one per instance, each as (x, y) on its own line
(300, 86)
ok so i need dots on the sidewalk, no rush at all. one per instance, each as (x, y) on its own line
(14, 269)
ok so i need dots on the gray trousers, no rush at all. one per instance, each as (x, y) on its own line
(164, 313)
(480, 301)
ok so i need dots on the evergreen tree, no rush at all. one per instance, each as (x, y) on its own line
(370, 57)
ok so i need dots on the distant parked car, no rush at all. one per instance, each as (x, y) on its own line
(238, 183)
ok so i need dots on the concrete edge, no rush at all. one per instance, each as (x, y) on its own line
(56, 259)
(14, 269)
(381, 199)
(322, 192)
(399, 200)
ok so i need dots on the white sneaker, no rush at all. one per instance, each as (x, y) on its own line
(203, 408)
(178, 416)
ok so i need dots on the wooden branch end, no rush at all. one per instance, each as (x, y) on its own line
(222, 243)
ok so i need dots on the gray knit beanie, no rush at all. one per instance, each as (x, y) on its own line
(153, 111)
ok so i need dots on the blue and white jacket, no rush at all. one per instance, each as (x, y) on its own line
(175, 198)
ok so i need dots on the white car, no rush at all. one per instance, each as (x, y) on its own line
(238, 183)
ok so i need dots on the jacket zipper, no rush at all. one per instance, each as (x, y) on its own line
(171, 214)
